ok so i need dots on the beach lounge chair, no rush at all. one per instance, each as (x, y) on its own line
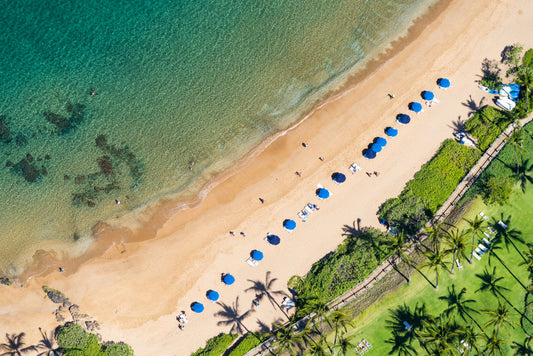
(492, 230)
(479, 251)
(303, 215)
(484, 216)
(487, 242)
(482, 247)
(407, 325)
(355, 168)
(459, 265)
(502, 224)
(288, 303)
(487, 234)
(252, 262)
(476, 256)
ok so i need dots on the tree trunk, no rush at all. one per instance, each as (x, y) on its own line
(472, 252)
(516, 158)
(437, 280)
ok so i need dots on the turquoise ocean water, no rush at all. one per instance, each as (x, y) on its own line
(181, 88)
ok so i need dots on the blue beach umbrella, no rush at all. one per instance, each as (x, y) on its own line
(428, 95)
(212, 295)
(391, 131)
(197, 307)
(338, 177)
(289, 224)
(322, 193)
(273, 239)
(257, 255)
(228, 279)
(381, 141)
(369, 154)
(403, 119)
(443, 83)
(376, 148)
(416, 107)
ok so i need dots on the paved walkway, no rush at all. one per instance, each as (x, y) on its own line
(387, 265)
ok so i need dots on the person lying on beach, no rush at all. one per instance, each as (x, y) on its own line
(182, 319)
(181, 327)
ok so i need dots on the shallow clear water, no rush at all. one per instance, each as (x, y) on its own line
(181, 88)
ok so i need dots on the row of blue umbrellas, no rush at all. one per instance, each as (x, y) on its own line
(375, 147)
(228, 279)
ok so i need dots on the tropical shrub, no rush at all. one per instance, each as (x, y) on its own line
(74, 341)
(430, 187)
(216, 345)
(527, 59)
(245, 344)
(491, 81)
(342, 269)
(486, 125)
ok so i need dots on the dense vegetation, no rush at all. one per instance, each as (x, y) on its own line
(486, 125)
(430, 187)
(245, 344)
(344, 268)
(216, 345)
(74, 341)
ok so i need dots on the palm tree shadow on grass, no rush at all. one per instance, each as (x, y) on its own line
(233, 317)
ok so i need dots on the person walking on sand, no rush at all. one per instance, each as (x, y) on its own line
(243, 234)
(391, 96)
(261, 200)
(298, 174)
(232, 233)
(376, 173)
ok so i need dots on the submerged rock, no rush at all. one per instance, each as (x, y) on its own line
(63, 123)
(27, 168)
(4, 130)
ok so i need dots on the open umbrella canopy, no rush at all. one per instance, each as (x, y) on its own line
(443, 83)
(415, 106)
(381, 141)
(257, 255)
(391, 131)
(289, 224)
(322, 193)
(369, 154)
(212, 295)
(228, 279)
(403, 119)
(273, 239)
(338, 177)
(428, 95)
(197, 307)
(376, 147)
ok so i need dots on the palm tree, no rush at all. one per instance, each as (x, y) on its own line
(500, 317)
(457, 304)
(493, 344)
(525, 78)
(509, 235)
(400, 345)
(435, 260)
(319, 307)
(441, 333)
(469, 335)
(233, 317)
(48, 344)
(286, 338)
(345, 344)
(433, 234)
(15, 345)
(261, 289)
(321, 348)
(524, 175)
(456, 241)
(524, 349)
(516, 140)
(489, 282)
(476, 226)
(397, 245)
(494, 246)
(340, 320)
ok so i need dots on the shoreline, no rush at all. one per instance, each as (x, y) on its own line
(47, 256)
(134, 295)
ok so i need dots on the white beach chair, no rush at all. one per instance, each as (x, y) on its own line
(319, 186)
(252, 262)
(482, 247)
(459, 266)
(502, 224)
(302, 215)
(487, 234)
(354, 168)
(476, 256)
(492, 230)
(479, 251)
(487, 242)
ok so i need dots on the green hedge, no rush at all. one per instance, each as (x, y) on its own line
(246, 344)
(341, 270)
(430, 187)
(486, 125)
(74, 341)
(216, 345)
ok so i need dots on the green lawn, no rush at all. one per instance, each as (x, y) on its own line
(371, 325)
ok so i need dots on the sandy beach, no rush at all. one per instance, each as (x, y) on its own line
(159, 266)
